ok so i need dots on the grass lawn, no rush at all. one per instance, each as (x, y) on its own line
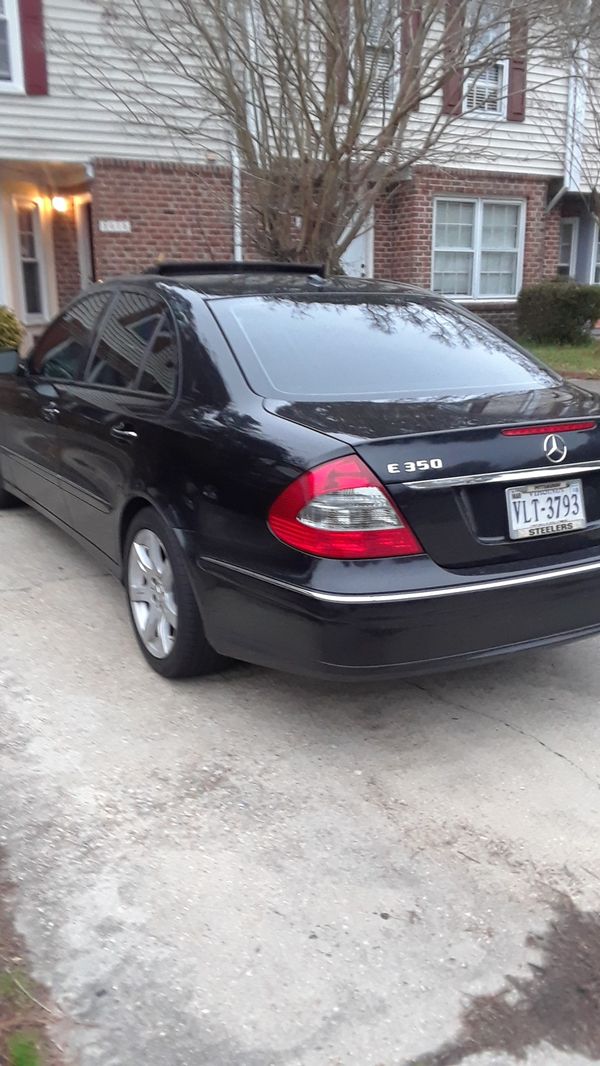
(576, 360)
(24, 1013)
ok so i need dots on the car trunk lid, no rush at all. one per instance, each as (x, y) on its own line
(447, 463)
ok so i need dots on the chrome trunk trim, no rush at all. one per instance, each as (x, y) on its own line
(502, 477)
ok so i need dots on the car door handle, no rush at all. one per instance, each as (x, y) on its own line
(122, 432)
(50, 411)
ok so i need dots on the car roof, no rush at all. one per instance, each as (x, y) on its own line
(263, 283)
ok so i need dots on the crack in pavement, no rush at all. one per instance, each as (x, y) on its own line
(35, 586)
(509, 725)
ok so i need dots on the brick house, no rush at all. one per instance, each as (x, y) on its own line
(85, 196)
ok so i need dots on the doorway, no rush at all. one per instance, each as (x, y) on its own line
(85, 246)
(357, 260)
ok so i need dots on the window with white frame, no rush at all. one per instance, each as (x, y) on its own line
(31, 256)
(381, 52)
(485, 88)
(567, 252)
(478, 248)
(486, 93)
(11, 64)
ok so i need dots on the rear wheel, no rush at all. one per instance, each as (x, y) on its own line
(163, 609)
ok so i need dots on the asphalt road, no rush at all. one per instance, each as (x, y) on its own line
(255, 870)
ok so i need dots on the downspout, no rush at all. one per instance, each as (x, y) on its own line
(556, 199)
(236, 203)
(576, 113)
(575, 118)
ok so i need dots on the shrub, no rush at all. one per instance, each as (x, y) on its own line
(11, 330)
(559, 311)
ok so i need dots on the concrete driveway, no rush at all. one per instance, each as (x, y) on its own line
(255, 870)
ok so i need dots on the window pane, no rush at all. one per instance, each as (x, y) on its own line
(124, 340)
(488, 24)
(5, 72)
(454, 224)
(498, 274)
(379, 67)
(27, 216)
(453, 273)
(500, 226)
(63, 349)
(567, 237)
(484, 93)
(311, 348)
(31, 282)
(160, 368)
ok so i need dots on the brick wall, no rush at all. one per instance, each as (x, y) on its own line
(406, 253)
(501, 315)
(66, 257)
(176, 212)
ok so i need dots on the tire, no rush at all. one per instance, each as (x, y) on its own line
(163, 609)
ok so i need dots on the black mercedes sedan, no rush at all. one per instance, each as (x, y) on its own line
(330, 476)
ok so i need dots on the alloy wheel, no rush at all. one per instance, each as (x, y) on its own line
(151, 593)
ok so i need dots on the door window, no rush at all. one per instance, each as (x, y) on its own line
(567, 253)
(63, 350)
(125, 339)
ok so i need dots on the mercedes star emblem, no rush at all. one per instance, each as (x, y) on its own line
(555, 448)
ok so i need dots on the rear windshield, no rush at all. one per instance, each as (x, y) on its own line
(343, 348)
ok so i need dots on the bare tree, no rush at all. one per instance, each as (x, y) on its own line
(325, 103)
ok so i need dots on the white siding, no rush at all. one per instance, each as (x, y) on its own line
(80, 120)
(589, 177)
(77, 120)
(535, 146)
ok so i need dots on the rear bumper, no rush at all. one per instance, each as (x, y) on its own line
(325, 634)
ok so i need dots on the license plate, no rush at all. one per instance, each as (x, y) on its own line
(540, 510)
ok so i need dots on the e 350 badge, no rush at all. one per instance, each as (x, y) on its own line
(413, 467)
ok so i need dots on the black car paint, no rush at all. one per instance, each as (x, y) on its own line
(213, 461)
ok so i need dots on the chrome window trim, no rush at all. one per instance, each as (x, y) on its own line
(350, 599)
(503, 477)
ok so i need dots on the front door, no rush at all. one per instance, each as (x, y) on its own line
(110, 426)
(357, 260)
(32, 411)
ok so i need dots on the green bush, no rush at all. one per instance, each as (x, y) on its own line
(11, 330)
(559, 311)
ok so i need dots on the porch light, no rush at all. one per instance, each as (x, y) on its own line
(60, 204)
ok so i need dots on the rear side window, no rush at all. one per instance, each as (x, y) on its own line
(383, 347)
(63, 350)
(124, 340)
(159, 369)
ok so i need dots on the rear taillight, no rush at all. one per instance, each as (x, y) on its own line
(341, 511)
